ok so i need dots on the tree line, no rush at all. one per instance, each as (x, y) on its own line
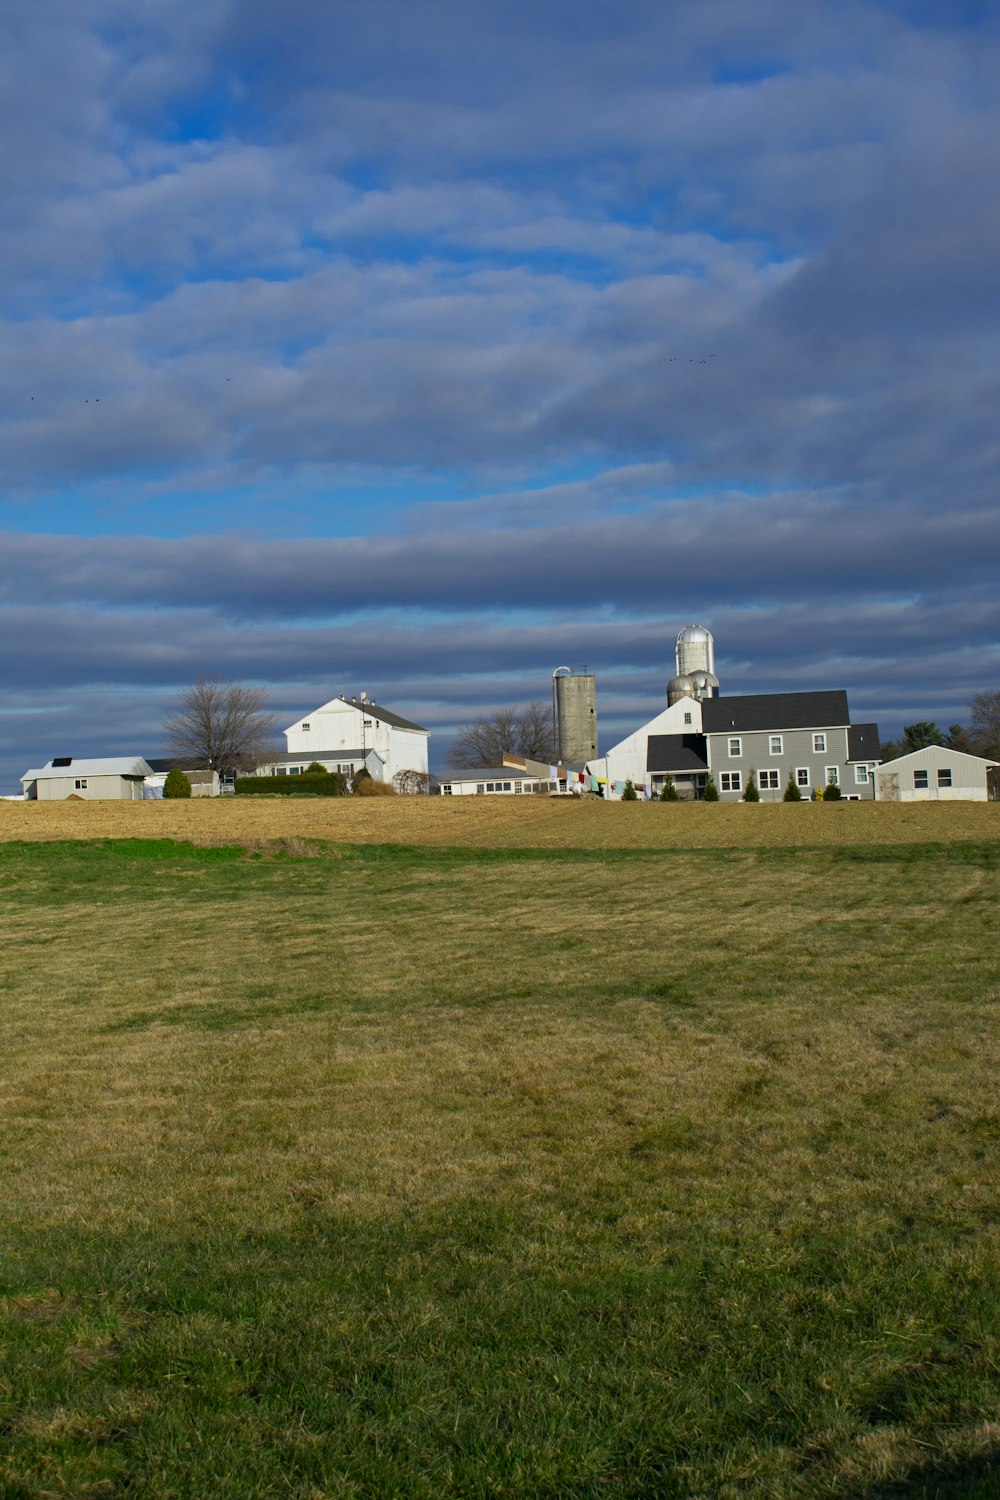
(981, 736)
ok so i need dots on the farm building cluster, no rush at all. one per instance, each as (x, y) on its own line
(803, 739)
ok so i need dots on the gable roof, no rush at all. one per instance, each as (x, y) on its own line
(863, 742)
(676, 752)
(762, 711)
(371, 710)
(67, 765)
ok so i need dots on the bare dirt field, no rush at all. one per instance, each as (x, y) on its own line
(506, 822)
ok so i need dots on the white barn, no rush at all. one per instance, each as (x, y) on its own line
(348, 733)
(118, 778)
(935, 774)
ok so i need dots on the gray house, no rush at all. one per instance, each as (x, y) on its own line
(808, 737)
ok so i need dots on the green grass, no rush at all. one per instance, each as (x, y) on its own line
(406, 1172)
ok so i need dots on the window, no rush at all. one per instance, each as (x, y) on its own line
(517, 787)
(919, 780)
(768, 781)
(346, 770)
(687, 718)
(80, 784)
(295, 770)
(861, 775)
(775, 744)
(801, 775)
(480, 788)
(305, 729)
(944, 776)
(446, 791)
(819, 744)
(736, 746)
(281, 771)
(729, 781)
(833, 775)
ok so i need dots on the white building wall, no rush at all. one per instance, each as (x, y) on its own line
(97, 788)
(342, 725)
(627, 760)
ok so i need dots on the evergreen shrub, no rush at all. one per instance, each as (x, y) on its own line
(792, 793)
(752, 793)
(831, 792)
(176, 784)
(711, 791)
(669, 791)
(629, 793)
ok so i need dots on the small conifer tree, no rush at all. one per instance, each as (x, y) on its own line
(792, 793)
(629, 793)
(752, 793)
(315, 769)
(831, 792)
(176, 784)
(668, 792)
(711, 791)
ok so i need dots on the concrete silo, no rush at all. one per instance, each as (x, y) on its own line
(574, 713)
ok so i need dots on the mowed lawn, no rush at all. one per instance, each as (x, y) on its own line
(540, 1173)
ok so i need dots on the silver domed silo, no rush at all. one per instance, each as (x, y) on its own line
(711, 685)
(679, 687)
(695, 650)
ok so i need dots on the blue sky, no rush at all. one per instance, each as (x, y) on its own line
(421, 348)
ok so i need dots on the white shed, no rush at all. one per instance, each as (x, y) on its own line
(935, 774)
(118, 778)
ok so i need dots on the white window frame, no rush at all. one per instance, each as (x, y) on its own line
(832, 775)
(687, 718)
(732, 777)
(305, 728)
(819, 744)
(922, 786)
(80, 784)
(772, 741)
(861, 776)
(736, 740)
(446, 790)
(944, 771)
(802, 777)
(773, 781)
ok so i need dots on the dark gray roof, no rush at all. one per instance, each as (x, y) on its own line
(292, 758)
(492, 773)
(863, 742)
(676, 752)
(756, 711)
(385, 715)
(161, 763)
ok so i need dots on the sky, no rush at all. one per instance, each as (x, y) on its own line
(420, 349)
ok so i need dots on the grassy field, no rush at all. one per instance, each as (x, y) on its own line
(538, 1172)
(507, 822)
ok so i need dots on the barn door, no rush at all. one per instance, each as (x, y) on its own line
(888, 786)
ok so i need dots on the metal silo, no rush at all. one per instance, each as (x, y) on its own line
(574, 708)
(695, 651)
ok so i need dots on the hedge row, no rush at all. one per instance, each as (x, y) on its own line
(329, 784)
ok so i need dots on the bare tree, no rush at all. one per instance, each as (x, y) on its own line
(985, 727)
(224, 725)
(413, 783)
(508, 731)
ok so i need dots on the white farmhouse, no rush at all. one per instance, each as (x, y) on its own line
(935, 774)
(348, 733)
(118, 778)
